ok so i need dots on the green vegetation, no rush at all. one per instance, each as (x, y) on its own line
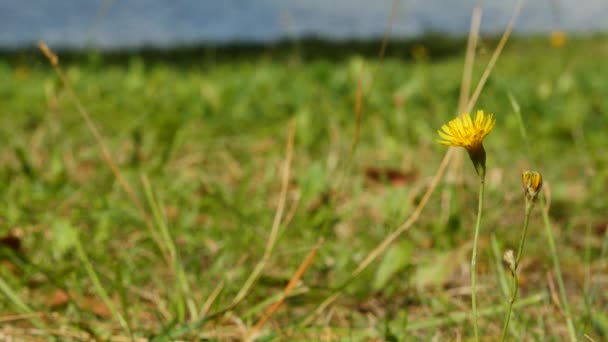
(202, 140)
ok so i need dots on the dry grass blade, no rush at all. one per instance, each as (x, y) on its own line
(359, 95)
(105, 152)
(19, 317)
(211, 299)
(469, 59)
(278, 217)
(465, 85)
(488, 70)
(589, 338)
(288, 289)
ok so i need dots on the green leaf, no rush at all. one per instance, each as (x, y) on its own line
(434, 269)
(394, 261)
(64, 238)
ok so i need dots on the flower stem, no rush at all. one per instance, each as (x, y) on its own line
(515, 281)
(474, 256)
(558, 272)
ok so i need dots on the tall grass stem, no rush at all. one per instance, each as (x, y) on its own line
(474, 256)
(557, 270)
(515, 280)
(101, 291)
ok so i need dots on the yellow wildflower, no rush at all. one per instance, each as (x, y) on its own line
(532, 182)
(468, 133)
(557, 39)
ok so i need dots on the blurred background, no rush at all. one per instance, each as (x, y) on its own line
(166, 180)
(136, 23)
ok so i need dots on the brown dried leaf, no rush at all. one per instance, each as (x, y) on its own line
(59, 298)
(393, 176)
(11, 241)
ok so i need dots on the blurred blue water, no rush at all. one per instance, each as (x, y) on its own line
(133, 23)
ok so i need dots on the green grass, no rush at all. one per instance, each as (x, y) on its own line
(209, 133)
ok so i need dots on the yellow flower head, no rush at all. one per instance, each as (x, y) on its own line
(465, 132)
(532, 182)
(468, 133)
(557, 39)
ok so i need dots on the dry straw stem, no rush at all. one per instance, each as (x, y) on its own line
(494, 58)
(105, 152)
(278, 217)
(19, 317)
(467, 73)
(288, 289)
(211, 299)
(469, 59)
(359, 94)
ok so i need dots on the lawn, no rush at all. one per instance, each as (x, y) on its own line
(242, 166)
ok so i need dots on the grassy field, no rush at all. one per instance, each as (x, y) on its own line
(202, 140)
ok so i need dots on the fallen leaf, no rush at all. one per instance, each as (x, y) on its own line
(11, 241)
(59, 298)
(393, 176)
(99, 308)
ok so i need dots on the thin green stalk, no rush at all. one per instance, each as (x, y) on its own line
(549, 233)
(181, 282)
(558, 272)
(474, 256)
(458, 317)
(101, 291)
(502, 279)
(515, 280)
(14, 299)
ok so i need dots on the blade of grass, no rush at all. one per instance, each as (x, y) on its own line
(502, 280)
(359, 98)
(207, 306)
(460, 317)
(177, 267)
(101, 291)
(105, 152)
(556, 265)
(603, 262)
(286, 292)
(469, 59)
(545, 204)
(497, 52)
(278, 217)
(16, 301)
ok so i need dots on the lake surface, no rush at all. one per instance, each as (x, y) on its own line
(166, 23)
